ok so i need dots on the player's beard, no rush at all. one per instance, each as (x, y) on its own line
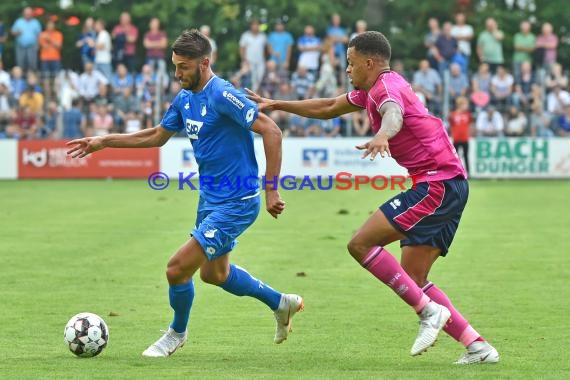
(194, 81)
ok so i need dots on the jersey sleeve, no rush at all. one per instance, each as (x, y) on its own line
(172, 119)
(232, 103)
(387, 92)
(357, 98)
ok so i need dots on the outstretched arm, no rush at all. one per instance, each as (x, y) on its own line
(322, 108)
(271, 135)
(146, 138)
(392, 120)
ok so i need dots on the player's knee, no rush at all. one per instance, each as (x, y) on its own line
(174, 273)
(357, 249)
(213, 277)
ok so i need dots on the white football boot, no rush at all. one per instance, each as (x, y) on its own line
(479, 353)
(166, 345)
(432, 319)
(289, 305)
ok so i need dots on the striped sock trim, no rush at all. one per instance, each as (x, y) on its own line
(374, 252)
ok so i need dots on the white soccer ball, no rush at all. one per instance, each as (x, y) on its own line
(86, 335)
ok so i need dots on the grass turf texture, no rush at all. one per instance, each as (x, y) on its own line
(102, 246)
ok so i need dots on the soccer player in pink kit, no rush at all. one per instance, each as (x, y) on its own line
(424, 218)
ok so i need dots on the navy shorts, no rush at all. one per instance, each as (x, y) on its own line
(219, 224)
(430, 213)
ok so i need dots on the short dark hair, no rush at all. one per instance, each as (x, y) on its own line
(192, 44)
(372, 43)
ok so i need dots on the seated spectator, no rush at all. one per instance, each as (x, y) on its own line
(303, 83)
(121, 79)
(556, 77)
(326, 84)
(50, 120)
(67, 83)
(281, 118)
(132, 122)
(481, 80)
(73, 122)
(563, 127)
(490, 123)
(242, 78)
(33, 100)
(271, 80)
(427, 82)
(458, 83)
(102, 122)
(24, 125)
(124, 103)
(556, 100)
(89, 83)
(502, 88)
(516, 123)
(539, 122)
(17, 82)
(7, 105)
(361, 123)
(522, 96)
(146, 83)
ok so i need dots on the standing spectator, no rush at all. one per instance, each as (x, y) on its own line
(502, 88)
(310, 47)
(463, 33)
(524, 42)
(73, 122)
(445, 48)
(252, 45)
(429, 41)
(360, 27)
(2, 37)
(206, 31)
(546, 45)
(26, 29)
(50, 42)
(103, 50)
(427, 84)
(490, 123)
(490, 45)
(280, 44)
(460, 121)
(125, 36)
(155, 43)
(86, 41)
(339, 38)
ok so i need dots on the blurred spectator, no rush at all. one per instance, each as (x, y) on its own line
(121, 80)
(89, 83)
(502, 88)
(146, 83)
(5, 77)
(103, 48)
(155, 42)
(490, 123)
(427, 84)
(398, 66)
(280, 44)
(73, 121)
(481, 80)
(67, 83)
(26, 29)
(102, 120)
(125, 101)
(17, 82)
(32, 100)
(132, 122)
(173, 90)
(556, 100)
(361, 123)
(2, 37)
(7, 105)
(360, 27)
(281, 118)
(242, 78)
(49, 125)
(490, 45)
(556, 77)
(429, 41)
(524, 43)
(303, 83)
(205, 30)
(339, 38)
(252, 45)
(458, 83)
(51, 43)
(24, 124)
(445, 48)
(271, 80)
(326, 85)
(125, 36)
(86, 41)
(460, 121)
(463, 33)
(524, 83)
(563, 126)
(539, 122)
(516, 123)
(546, 46)
(309, 46)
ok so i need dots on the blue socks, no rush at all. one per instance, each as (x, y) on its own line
(241, 283)
(181, 297)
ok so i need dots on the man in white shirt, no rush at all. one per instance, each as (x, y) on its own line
(252, 50)
(463, 33)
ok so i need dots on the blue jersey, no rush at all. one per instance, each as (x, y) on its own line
(217, 121)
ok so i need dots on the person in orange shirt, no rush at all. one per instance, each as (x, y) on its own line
(460, 121)
(50, 41)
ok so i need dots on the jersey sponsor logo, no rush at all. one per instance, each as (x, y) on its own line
(235, 101)
(193, 128)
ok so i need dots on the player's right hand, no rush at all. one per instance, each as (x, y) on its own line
(85, 146)
(273, 202)
(264, 104)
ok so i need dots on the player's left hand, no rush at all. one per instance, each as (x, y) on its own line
(273, 203)
(378, 145)
(264, 104)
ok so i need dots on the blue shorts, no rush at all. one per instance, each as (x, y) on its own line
(219, 224)
(430, 213)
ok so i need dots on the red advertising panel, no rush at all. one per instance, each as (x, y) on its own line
(49, 159)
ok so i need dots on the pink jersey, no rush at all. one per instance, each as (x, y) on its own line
(422, 145)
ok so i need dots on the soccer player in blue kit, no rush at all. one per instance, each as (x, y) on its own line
(218, 120)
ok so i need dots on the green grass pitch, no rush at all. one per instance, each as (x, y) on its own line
(102, 246)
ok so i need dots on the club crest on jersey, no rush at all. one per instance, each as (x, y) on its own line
(235, 101)
(193, 128)
(203, 110)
